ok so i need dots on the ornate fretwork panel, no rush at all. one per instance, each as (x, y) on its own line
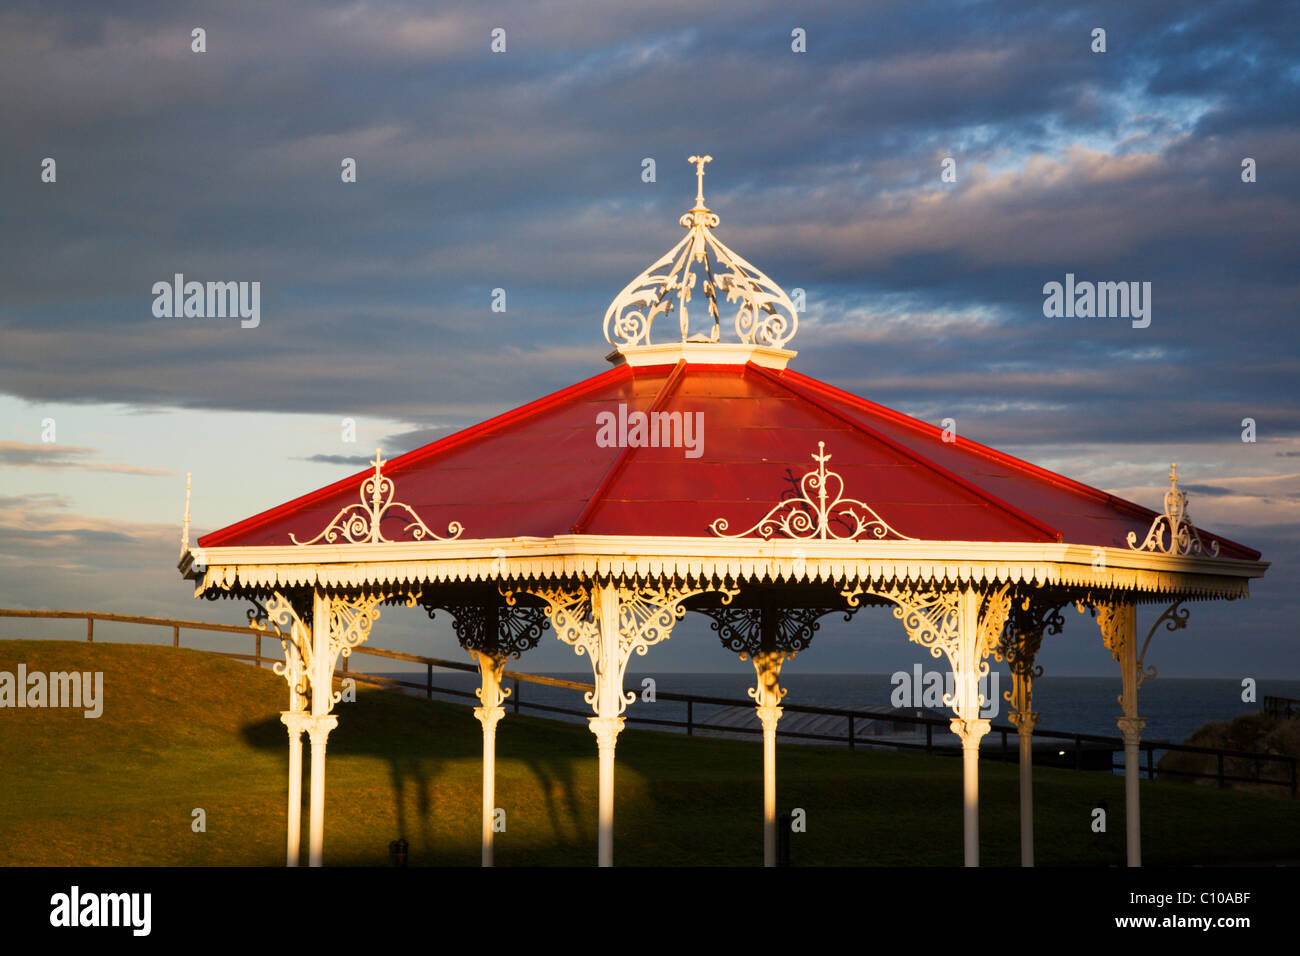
(497, 631)
(741, 628)
(1030, 617)
(644, 615)
(291, 623)
(994, 609)
(350, 619)
(1113, 621)
(933, 618)
(1117, 621)
(569, 610)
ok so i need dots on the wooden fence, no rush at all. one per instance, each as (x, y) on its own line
(1288, 777)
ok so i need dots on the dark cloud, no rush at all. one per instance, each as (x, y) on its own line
(1212, 490)
(522, 172)
(357, 461)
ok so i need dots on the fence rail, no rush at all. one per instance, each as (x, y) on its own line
(1282, 706)
(1272, 705)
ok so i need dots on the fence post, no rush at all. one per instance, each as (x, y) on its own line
(90, 628)
(176, 636)
(516, 695)
(428, 682)
(852, 743)
(690, 718)
(257, 650)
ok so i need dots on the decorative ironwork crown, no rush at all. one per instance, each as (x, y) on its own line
(764, 314)
(1173, 532)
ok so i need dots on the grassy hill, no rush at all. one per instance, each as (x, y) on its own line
(184, 729)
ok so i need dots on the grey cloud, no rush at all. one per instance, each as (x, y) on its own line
(53, 455)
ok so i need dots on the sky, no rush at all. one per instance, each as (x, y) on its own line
(523, 169)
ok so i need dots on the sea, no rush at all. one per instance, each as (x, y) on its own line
(1174, 708)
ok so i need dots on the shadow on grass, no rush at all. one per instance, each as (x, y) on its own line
(419, 740)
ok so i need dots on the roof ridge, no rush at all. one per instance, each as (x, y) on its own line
(1021, 516)
(625, 453)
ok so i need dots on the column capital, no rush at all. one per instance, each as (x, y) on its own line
(319, 727)
(1024, 720)
(769, 715)
(296, 721)
(1131, 728)
(970, 731)
(606, 730)
(489, 717)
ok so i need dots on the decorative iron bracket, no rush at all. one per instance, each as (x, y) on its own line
(815, 514)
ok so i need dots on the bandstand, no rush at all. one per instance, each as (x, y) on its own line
(702, 474)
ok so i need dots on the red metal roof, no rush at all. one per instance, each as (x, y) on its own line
(538, 471)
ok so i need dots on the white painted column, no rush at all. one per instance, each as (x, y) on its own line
(295, 721)
(318, 729)
(607, 724)
(606, 730)
(968, 725)
(767, 696)
(491, 696)
(596, 622)
(1025, 721)
(1131, 728)
(322, 722)
(1130, 725)
(970, 732)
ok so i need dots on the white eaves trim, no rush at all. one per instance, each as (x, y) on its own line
(784, 559)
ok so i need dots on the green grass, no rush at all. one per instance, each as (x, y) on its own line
(183, 729)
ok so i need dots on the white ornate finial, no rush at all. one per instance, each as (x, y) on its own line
(376, 482)
(805, 518)
(1173, 532)
(360, 523)
(185, 527)
(699, 162)
(765, 316)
